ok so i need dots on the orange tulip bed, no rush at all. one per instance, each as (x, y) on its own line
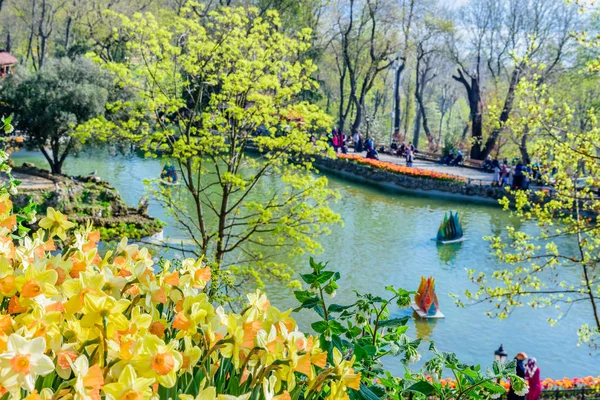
(400, 169)
(588, 382)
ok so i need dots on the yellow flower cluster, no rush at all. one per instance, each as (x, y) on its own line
(76, 324)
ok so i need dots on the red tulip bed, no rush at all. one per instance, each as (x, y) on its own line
(400, 169)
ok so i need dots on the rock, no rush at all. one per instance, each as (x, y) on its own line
(28, 165)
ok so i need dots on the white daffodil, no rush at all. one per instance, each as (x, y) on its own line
(23, 361)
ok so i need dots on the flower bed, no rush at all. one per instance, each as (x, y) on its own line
(400, 169)
(78, 324)
(588, 382)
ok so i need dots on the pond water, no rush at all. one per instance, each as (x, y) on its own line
(386, 240)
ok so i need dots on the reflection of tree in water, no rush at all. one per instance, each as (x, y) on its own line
(447, 252)
(497, 223)
(424, 326)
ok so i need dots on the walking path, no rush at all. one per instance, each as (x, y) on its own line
(469, 173)
(31, 182)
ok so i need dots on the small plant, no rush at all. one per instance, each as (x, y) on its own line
(364, 332)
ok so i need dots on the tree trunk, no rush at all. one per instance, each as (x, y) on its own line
(397, 109)
(68, 34)
(475, 112)
(55, 165)
(43, 37)
(417, 128)
(423, 112)
(8, 42)
(342, 113)
(440, 130)
(407, 110)
(357, 118)
(525, 159)
(508, 104)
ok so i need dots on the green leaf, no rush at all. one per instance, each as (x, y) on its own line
(324, 277)
(366, 393)
(308, 278)
(394, 322)
(311, 303)
(317, 267)
(336, 328)
(333, 308)
(493, 387)
(422, 387)
(303, 295)
(319, 310)
(371, 350)
(359, 352)
(319, 326)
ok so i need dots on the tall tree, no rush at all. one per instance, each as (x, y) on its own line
(211, 88)
(430, 40)
(366, 45)
(503, 38)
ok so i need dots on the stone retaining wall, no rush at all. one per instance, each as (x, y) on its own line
(410, 184)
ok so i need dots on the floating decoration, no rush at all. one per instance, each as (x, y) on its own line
(450, 230)
(425, 301)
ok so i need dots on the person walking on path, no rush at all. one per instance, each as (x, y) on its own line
(532, 373)
(409, 158)
(496, 167)
(521, 357)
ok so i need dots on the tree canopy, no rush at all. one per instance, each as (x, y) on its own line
(50, 104)
(224, 93)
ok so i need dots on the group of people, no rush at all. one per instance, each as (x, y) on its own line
(517, 175)
(527, 369)
(452, 159)
(339, 141)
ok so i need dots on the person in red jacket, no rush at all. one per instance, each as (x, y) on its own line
(532, 373)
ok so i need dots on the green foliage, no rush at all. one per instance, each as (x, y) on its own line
(365, 332)
(211, 84)
(50, 104)
(558, 262)
(565, 210)
(134, 231)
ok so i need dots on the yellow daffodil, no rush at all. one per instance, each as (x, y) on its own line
(129, 386)
(56, 222)
(157, 360)
(113, 318)
(210, 393)
(104, 310)
(347, 378)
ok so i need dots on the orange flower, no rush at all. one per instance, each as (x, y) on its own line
(7, 284)
(181, 322)
(14, 307)
(9, 222)
(172, 279)
(399, 169)
(202, 274)
(157, 328)
(31, 288)
(163, 363)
